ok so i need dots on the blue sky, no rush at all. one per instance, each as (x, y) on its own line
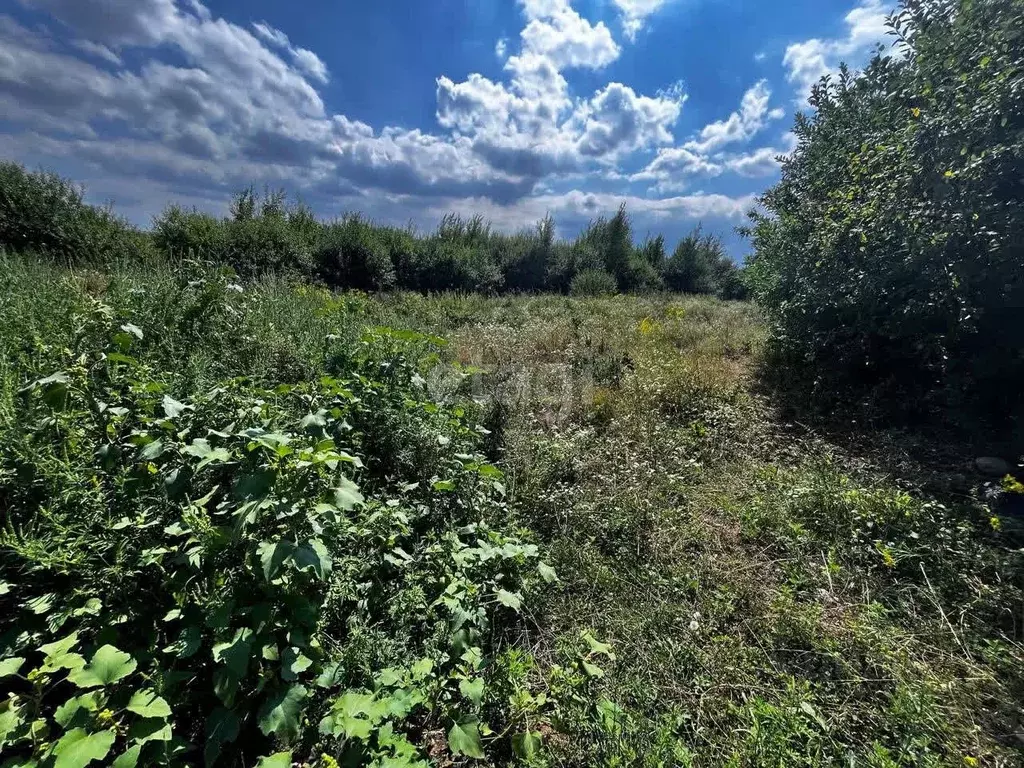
(406, 109)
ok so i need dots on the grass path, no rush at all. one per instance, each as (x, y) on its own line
(771, 597)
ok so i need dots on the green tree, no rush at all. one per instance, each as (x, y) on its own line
(891, 253)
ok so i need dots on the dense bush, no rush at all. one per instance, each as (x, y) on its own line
(352, 253)
(592, 282)
(891, 254)
(194, 574)
(700, 264)
(44, 213)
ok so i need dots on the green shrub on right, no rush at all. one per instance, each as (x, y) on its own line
(890, 257)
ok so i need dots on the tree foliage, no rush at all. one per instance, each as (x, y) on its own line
(891, 253)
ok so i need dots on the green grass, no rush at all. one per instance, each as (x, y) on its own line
(770, 594)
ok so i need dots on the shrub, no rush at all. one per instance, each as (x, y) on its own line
(207, 575)
(525, 258)
(183, 233)
(45, 213)
(352, 254)
(643, 276)
(891, 254)
(593, 282)
(694, 264)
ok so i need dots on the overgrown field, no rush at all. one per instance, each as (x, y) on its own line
(267, 524)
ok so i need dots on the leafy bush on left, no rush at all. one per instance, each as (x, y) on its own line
(244, 563)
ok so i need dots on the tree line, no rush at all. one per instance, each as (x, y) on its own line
(46, 214)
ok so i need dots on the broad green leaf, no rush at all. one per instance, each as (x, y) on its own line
(237, 653)
(510, 599)
(332, 675)
(422, 669)
(86, 703)
(472, 689)
(128, 759)
(221, 728)
(92, 607)
(70, 661)
(597, 648)
(255, 486)
(10, 718)
(280, 760)
(201, 449)
(527, 744)
(281, 713)
(547, 573)
(347, 495)
(60, 647)
(148, 704)
(108, 665)
(273, 555)
(353, 715)
(612, 715)
(11, 666)
(313, 420)
(313, 556)
(150, 729)
(152, 450)
(294, 663)
(172, 408)
(464, 738)
(77, 748)
(591, 670)
(400, 702)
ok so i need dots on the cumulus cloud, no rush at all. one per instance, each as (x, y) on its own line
(809, 60)
(635, 13)
(702, 156)
(741, 125)
(557, 32)
(757, 164)
(204, 104)
(304, 59)
(616, 120)
(113, 22)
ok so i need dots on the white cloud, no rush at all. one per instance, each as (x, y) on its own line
(677, 161)
(98, 50)
(809, 60)
(311, 64)
(672, 167)
(304, 59)
(635, 13)
(531, 126)
(616, 120)
(583, 206)
(242, 104)
(756, 164)
(751, 117)
(113, 22)
(501, 48)
(558, 33)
